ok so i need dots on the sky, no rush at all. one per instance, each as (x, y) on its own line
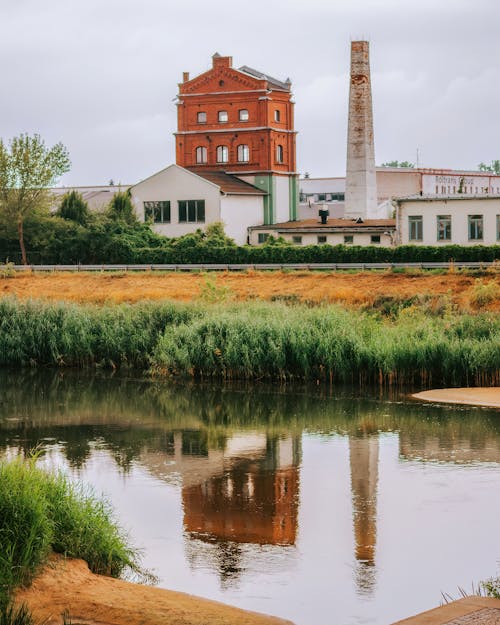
(101, 76)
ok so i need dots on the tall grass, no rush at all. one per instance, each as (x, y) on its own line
(258, 340)
(331, 344)
(43, 512)
(36, 333)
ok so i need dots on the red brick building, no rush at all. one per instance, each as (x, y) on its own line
(240, 121)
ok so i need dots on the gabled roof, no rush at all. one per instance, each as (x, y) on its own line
(261, 76)
(230, 185)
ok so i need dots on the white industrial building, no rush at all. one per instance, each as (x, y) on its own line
(178, 201)
(448, 220)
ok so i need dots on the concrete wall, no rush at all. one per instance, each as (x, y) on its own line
(240, 211)
(173, 184)
(459, 209)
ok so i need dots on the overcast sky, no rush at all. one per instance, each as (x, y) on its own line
(101, 75)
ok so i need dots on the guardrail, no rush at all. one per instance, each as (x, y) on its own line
(256, 266)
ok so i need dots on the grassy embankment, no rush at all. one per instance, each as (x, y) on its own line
(41, 513)
(410, 345)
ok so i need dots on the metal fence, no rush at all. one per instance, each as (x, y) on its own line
(257, 267)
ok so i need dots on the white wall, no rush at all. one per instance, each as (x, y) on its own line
(240, 211)
(332, 238)
(282, 199)
(173, 184)
(459, 209)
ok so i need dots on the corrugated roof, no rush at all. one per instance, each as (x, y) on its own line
(228, 184)
(256, 74)
(315, 224)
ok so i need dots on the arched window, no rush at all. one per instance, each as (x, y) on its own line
(201, 154)
(222, 154)
(279, 153)
(243, 154)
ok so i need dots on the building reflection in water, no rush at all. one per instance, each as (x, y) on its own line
(242, 490)
(364, 455)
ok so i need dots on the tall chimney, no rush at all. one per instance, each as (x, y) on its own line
(361, 183)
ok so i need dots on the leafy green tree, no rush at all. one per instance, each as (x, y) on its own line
(122, 209)
(493, 167)
(398, 164)
(27, 169)
(74, 208)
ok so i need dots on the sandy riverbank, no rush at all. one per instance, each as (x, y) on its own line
(489, 397)
(96, 600)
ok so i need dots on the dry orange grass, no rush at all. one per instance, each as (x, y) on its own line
(348, 288)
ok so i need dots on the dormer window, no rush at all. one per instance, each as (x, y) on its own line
(243, 114)
(202, 117)
(222, 116)
(277, 115)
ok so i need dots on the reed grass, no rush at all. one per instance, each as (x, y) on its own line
(43, 512)
(333, 345)
(255, 340)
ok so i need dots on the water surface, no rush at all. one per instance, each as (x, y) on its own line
(316, 505)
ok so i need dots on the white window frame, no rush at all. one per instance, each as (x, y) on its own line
(243, 153)
(222, 153)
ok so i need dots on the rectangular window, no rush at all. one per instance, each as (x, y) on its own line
(321, 239)
(415, 228)
(243, 115)
(498, 227)
(348, 239)
(321, 197)
(263, 237)
(202, 117)
(158, 212)
(297, 240)
(222, 116)
(375, 238)
(191, 211)
(444, 227)
(277, 115)
(475, 227)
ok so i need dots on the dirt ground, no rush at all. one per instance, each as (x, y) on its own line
(88, 599)
(363, 288)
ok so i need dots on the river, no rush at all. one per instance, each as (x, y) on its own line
(314, 504)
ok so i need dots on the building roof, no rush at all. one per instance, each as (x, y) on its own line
(442, 198)
(230, 185)
(274, 81)
(306, 225)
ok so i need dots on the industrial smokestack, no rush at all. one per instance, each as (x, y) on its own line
(361, 183)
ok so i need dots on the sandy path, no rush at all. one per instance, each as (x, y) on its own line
(472, 396)
(97, 600)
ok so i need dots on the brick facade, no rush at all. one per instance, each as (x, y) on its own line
(258, 136)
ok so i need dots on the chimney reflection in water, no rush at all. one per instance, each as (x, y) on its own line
(364, 452)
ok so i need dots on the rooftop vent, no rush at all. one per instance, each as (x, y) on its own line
(323, 214)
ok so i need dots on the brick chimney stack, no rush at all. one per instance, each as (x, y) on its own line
(361, 184)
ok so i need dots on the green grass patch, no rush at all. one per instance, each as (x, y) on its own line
(41, 513)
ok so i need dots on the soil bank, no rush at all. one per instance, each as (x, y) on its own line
(68, 585)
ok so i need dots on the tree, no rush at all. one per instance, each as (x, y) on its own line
(398, 164)
(121, 208)
(27, 169)
(493, 167)
(74, 208)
